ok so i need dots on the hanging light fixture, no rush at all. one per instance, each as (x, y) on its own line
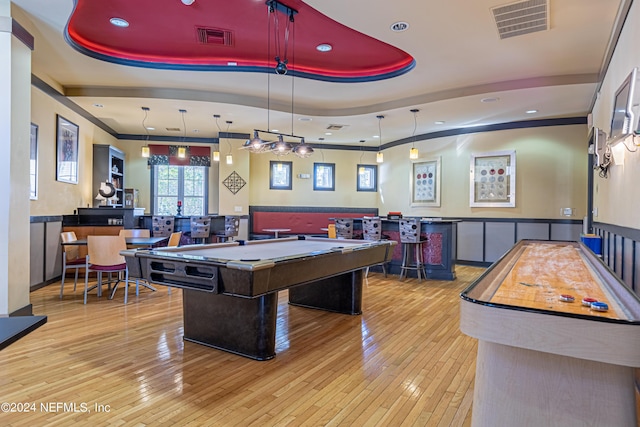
(414, 153)
(216, 156)
(229, 158)
(145, 150)
(256, 144)
(379, 155)
(281, 148)
(303, 150)
(216, 153)
(182, 151)
(361, 169)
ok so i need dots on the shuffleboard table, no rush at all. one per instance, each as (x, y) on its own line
(230, 289)
(543, 358)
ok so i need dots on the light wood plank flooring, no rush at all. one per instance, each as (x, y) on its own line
(404, 362)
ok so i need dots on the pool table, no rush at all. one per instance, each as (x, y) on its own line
(230, 290)
(543, 357)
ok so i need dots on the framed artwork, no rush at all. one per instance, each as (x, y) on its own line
(493, 180)
(425, 182)
(33, 163)
(66, 151)
(367, 178)
(280, 175)
(324, 176)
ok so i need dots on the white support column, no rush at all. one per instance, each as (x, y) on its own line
(15, 118)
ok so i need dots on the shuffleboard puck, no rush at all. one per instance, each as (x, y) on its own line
(599, 306)
(567, 298)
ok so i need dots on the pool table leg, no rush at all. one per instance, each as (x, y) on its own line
(245, 326)
(340, 294)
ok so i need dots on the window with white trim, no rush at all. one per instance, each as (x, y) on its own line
(185, 184)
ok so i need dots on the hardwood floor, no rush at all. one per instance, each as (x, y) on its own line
(403, 362)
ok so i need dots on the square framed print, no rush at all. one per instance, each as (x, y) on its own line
(493, 180)
(280, 175)
(367, 178)
(425, 182)
(324, 176)
(66, 151)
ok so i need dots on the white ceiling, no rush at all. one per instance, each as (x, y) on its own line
(460, 60)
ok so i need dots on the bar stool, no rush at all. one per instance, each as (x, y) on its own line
(344, 228)
(162, 225)
(412, 257)
(231, 228)
(200, 228)
(372, 231)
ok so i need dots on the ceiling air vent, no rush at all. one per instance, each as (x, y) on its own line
(335, 127)
(173, 129)
(521, 18)
(215, 36)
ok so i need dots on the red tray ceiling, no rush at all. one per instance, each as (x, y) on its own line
(167, 34)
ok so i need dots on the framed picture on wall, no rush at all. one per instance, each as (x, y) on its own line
(66, 151)
(33, 163)
(280, 175)
(367, 178)
(425, 182)
(324, 176)
(493, 180)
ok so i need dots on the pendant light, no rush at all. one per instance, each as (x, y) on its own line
(379, 155)
(146, 152)
(414, 153)
(229, 158)
(182, 151)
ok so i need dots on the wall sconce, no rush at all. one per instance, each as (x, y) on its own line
(145, 151)
(182, 152)
(216, 156)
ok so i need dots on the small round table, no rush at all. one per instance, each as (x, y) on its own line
(275, 231)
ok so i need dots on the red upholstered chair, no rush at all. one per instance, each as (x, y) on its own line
(104, 257)
(70, 259)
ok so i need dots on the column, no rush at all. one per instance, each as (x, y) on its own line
(15, 119)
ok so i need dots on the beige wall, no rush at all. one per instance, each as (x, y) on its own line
(57, 198)
(551, 167)
(617, 198)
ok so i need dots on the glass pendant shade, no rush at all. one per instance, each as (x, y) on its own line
(145, 151)
(216, 156)
(413, 154)
(379, 157)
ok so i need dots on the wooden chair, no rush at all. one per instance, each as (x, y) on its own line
(174, 239)
(71, 259)
(104, 257)
(162, 225)
(135, 232)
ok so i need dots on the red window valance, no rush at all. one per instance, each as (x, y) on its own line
(168, 155)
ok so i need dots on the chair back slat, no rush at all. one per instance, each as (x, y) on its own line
(71, 252)
(135, 232)
(105, 250)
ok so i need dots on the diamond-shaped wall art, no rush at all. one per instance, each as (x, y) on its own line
(234, 182)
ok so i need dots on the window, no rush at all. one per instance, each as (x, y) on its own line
(280, 175)
(367, 178)
(324, 175)
(187, 184)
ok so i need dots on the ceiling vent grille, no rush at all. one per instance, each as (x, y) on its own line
(214, 36)
(521, 18)
(335, 127)
(173, 129)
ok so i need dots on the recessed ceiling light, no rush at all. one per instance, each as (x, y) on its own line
(324, 47)
(376, 136)
(491, 99)
(98, 105)
(188, 2)
(232, 64)
(399, 26)
(119, 22)
(439, 122)
(150, 128)
(328, 133)
(531, 111)
(305, 119)
(275, 130)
